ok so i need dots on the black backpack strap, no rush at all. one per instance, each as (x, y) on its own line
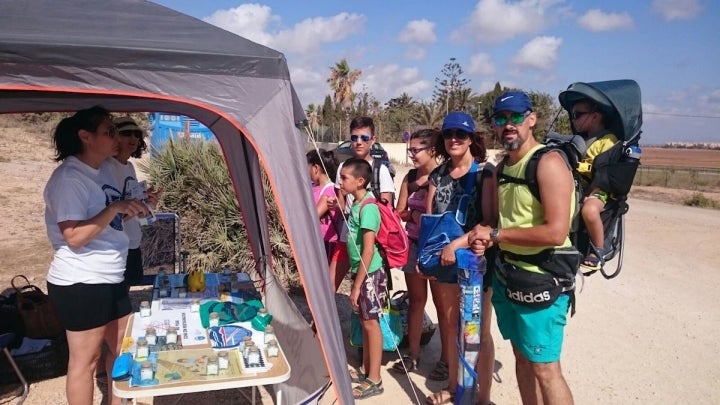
(375, 182)
(412, 175)
(530, 171)
(530, 179)
(486, 170)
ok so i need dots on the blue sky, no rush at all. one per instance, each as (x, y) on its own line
(670, 47)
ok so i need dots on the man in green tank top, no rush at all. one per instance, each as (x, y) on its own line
(533, 321)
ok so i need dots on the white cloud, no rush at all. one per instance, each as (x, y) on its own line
(540, 53)
(415, 53)
(499, 20)
(597, 20)
(310, 84)
(676, 9)
(418, 32)
(308, 35)
(404, 80)
(481, 64)
(257, 23)
(248, 20)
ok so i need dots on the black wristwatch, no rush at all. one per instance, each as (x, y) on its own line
(494, 233)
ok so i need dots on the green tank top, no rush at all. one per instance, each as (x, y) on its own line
(519, 209)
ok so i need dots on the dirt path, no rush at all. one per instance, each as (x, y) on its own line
(649, 336)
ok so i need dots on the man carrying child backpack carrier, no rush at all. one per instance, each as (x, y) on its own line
(608, 115)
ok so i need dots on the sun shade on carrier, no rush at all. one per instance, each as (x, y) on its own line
(613, 170)
(618, 99)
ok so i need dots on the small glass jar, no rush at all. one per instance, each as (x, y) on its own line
(151, 336)
(269, 334)
(146, 371)
(234, 286)
(223, 360)
(142, 351)
(246, 340)
(248, 347)
(253, 358)
(212, 367)
(171, 335)
(214, 319)
(273, 350)
(182, 292)
(195, 305)
(162, 292)
(145, 309)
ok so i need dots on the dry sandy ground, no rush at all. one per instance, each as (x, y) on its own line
(649, 336)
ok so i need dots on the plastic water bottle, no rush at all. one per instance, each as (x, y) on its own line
(633, 152)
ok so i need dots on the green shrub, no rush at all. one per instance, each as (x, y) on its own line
(196, 185)
(699, 200)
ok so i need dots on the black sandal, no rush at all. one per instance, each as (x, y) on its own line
(406, 363)
(356, 375)
(367, 389)
(440, 372)
(592, 262)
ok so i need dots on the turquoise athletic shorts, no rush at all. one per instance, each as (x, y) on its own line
(537, 333)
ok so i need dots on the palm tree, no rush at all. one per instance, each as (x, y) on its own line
(430, 115)
(313, 119)
(341, 81)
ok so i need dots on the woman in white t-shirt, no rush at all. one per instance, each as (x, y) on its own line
(131, 143)
(84, 220)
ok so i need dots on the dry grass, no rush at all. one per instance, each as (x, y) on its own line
(681, 157)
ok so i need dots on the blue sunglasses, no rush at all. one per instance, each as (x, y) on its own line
(363, 137)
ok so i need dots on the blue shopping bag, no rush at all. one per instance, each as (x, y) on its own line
(436, 232)
(390, 325)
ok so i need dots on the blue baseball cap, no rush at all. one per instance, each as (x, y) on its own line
(459, 120)
(513, 101)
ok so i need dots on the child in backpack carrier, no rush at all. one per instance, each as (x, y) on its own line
(369, 289)
(590, 121)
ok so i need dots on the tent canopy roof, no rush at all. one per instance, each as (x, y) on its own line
(147, 40)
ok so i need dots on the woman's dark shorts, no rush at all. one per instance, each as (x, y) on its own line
(134, 268)
(87, 306)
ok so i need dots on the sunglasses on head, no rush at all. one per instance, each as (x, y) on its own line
(458, 134)
(514, 118)
(363, 137)
(127, 134)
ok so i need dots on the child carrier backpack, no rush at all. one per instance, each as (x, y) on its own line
(392, 240)
(613, 170)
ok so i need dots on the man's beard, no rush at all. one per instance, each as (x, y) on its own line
(515, 144)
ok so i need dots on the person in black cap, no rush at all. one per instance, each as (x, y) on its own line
(533, 321)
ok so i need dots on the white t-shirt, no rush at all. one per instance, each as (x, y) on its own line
(78, 192)
(122, 173)
(386, 186)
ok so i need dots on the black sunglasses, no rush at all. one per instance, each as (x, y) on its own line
(458, 134)
(577, 114)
